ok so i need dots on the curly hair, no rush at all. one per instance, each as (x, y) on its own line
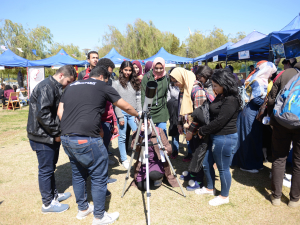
(133, 78)
(225, 79)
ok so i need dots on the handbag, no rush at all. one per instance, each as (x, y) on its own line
(262, 112)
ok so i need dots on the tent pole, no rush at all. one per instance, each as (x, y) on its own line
(226, 61)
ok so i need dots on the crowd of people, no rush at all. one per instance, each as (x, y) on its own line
(219, 123)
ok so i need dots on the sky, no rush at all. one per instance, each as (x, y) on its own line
(83, 23)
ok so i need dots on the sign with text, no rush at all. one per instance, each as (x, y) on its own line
(244, 55)
(216, 58)
(199, 63)
(36, 75)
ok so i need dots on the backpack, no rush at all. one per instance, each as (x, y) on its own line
(287, 104)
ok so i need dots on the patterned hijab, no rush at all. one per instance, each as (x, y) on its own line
(257, 84)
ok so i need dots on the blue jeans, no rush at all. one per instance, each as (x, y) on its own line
(175, 143)
(47, 156)
(163, 126)
(128, 119)
(220, 151)
(88, 157)
(107, 133)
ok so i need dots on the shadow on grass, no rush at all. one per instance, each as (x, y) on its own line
(63, 180)
(260, 181)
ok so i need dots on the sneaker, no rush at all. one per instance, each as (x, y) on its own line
(111, 180)
(293, 204)
(275, 201)
(63, 196)
(188, 158)
(125, 164)
(157, 183)
(82, 214)
(204, 191)
(193, 186)
(108, 218)
(250, 171)
(108, 193)
(111, 162)
(55, 207)
(218, 201)
(185, 176)
(174, 155)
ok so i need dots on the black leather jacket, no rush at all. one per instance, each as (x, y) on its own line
(43, 123)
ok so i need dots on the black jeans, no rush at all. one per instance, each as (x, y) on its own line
(281, 140)
(154, 175)
(47, 156)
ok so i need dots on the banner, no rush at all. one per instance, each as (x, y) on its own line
(36, 74)
(244, 55)
(216, 58)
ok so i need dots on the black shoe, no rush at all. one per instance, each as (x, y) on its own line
(174, 155)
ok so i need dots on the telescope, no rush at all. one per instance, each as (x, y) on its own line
(150, 93)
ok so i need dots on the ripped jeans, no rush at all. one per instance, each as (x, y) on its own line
(220, 151)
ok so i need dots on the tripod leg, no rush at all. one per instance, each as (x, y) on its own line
(147, 170)
(132, 155)
(167, 157)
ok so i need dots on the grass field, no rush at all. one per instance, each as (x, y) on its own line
(20, 200)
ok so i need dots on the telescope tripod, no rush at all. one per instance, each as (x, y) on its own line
(145, 117)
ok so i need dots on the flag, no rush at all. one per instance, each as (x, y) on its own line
(3, 47)
(20, 49)
(34, 52)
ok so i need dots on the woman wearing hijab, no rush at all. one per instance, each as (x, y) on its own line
(249, 156)
(7, 90)
(148, 66)
(191, 97)
(138, 69)
(159, 109)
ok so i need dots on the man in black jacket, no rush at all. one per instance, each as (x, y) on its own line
(43, 128)
(92, 58)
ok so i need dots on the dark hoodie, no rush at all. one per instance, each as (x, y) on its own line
(279, 85)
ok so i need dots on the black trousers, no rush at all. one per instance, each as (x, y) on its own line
(281, 140)
(154, 175)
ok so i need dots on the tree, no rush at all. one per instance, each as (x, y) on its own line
(70, 49)
(13, 36)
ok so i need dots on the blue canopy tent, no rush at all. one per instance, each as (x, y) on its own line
(10, 59)
(114, 56)
(220, 52)
(60, 59)
(200, 58)
(256, 43)
(293, 25)
(169, 58)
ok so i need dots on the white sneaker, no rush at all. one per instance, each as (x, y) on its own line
(250, 171)
(108, 218)
(157, 183)
(111, 162)
(204, 191)
(125, 164)
(82, 214)
(218, 201)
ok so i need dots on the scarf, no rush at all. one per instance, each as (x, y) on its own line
(138, 64)
(148, 66)
(257, 65)
(257, 84)
(187, 78)
(162, 62)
